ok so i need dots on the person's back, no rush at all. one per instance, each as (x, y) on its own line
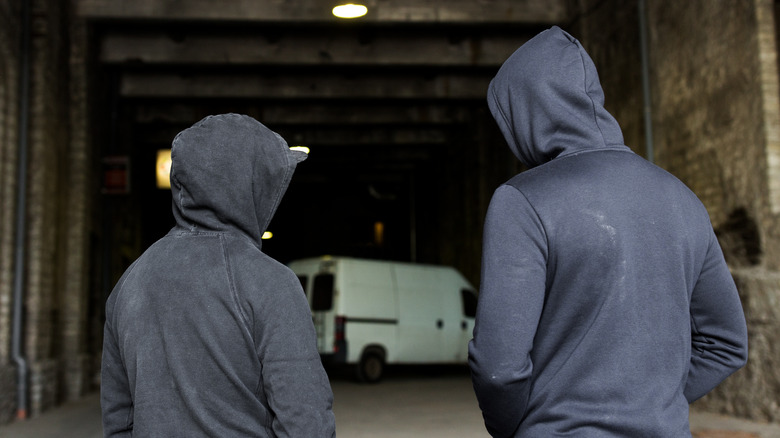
(626, 243)
(606, 305)
(205, 335)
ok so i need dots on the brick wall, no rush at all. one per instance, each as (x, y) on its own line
(74, 273)
(46, 188)
(9, 77)
(61, 364)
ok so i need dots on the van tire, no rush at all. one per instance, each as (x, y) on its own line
(371, 367)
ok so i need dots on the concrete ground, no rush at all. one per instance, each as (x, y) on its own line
(410, 402)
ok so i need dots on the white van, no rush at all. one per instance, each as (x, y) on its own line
(371, 313)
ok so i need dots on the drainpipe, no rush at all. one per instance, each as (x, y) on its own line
(648, 105)
(21, 211)
(412, 221)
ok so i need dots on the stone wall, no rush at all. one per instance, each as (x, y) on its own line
(754, 391)
(707, 102)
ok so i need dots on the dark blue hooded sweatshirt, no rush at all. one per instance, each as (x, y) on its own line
(606, 306)
(205, 335)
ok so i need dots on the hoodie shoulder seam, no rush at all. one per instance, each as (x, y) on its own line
(232, 284)
(119, 288)
(538, 217)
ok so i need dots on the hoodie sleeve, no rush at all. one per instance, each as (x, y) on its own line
(510, 304)
(115, 399)
(718, 328)
(295, 383)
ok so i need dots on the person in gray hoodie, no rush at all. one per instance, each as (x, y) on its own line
(605, 306)
(205, 335)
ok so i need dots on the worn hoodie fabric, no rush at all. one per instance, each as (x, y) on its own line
(605, 305)
(205, 335)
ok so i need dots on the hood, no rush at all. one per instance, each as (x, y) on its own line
(548, 102)
(229, 173)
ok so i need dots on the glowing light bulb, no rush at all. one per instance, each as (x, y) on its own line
(350, 10)
(267, 235)
(164, 169)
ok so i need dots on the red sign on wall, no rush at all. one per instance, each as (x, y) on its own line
(116, 175)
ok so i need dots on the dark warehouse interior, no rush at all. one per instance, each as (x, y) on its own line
(392, 115)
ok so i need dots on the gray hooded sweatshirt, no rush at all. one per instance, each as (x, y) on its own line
(205, 335)
(605, 306)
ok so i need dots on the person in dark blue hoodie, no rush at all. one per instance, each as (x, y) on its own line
(205, 335)
(606, 306)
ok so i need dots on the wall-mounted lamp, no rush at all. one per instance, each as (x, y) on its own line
(350, 10)
(164, 166)
(379, 233)
(164, 169)
(164, 174)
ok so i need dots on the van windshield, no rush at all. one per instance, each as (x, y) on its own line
(322, 293)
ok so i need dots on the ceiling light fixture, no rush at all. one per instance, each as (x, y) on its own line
(350, 10)
(303, 149)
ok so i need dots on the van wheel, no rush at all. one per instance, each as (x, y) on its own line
(371, 367)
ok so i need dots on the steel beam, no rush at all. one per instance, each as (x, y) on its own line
(379, 11)
(304, 86)
(277, 113)
(381, 49)
(345, 135)
(337, 136)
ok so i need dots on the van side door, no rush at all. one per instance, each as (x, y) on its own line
(420, 316)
